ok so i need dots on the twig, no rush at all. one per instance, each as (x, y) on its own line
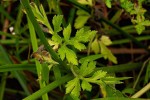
(138, 77)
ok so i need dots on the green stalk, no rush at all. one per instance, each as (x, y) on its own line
(120, 68)
(35, 47)
(18, 20)
(15, 67)
(22, 81)
(71, 16)
(2, 85)
(3, 12)
(121, 41)
(140, 73)
(5, 58)
(49, 87)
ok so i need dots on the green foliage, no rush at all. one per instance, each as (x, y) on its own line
(137, 11)
(107, 53)
(57, 20)
(100, 46)
(95, 46)
(86, 2)
(128, 90)
(108, 3)
(67, 32)
(127, 5)
(85, 75)
(45, 73)
(81, 36)
(147, 76)
(78, 72)
(91, 58)
(87, 68)
(73, 87)
(41, 16)
(86, 85)
(64, 51)
(81, 19)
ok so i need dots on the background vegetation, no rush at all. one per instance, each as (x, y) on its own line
(74, 49)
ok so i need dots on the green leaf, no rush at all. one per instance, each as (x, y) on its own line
(81, 19)
(107, 53)
(96, 77)
(127, 5)
(85, 2)
(106, 40)
(57, 21)
(45, 73)
(79, 46)
(129, 91)
(114, 80)
(40, 15)
(84, 36)
(69, 54)
(80, 34)
(111, 80)
(90, 58)
(95, 46)
(108, 3)
(82, 12)
(73, 87)
(99, 74)
(61, 52)
(146, 23)
(87, 68)
(67, 32)
(86, 85)
(83, 67)
(139, 28)
(70, 85)
(112, 92)
(147, 76)
(57, 38)
(37, 13)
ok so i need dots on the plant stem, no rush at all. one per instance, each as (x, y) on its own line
(142, 91)
(142, 69)
(35, 47)
(49, 87)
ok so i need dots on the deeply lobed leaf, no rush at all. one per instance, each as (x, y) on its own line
(87, 68)
(67, 32)
(70, 55)
(86, 85)
(107, 53)
(57, 20)
(73, 87)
